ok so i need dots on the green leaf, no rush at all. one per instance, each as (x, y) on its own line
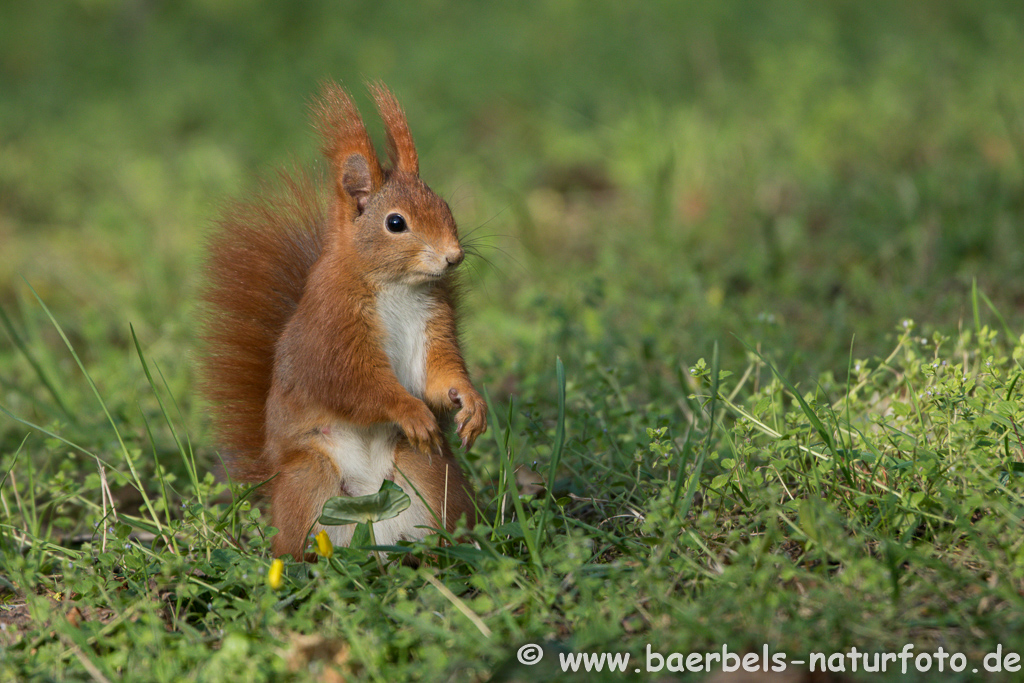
(1016, 469)
(720, 481)
(360, 537)
(387, 503)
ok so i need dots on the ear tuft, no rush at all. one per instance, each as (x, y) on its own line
(347, 146)
(401, 150)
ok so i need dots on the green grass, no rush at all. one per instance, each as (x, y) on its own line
(750, 313)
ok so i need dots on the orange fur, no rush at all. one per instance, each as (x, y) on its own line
(401, 150)
(332, 355)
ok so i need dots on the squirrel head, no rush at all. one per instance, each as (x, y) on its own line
(400, 228)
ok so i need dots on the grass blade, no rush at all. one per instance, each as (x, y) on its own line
(506, 456)
(92, 385)
(20, 344)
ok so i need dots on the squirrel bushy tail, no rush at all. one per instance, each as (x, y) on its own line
(256, 271)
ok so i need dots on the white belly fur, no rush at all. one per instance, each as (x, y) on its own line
(366, 455)
(404, 312)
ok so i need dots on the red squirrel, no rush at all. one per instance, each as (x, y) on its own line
(332, 356)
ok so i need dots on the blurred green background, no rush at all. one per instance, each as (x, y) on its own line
(646, 178)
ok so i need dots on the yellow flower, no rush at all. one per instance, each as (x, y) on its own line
(274, 575)
(323, 544)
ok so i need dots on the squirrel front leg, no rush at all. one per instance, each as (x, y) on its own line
(358, 387)
(386, 400)
(416, 421)
(448, 384)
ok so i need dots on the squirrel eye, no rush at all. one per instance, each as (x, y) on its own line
(396, 223)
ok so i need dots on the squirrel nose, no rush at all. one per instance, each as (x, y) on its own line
(455, 257)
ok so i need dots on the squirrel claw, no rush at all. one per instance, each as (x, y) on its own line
(472, 417)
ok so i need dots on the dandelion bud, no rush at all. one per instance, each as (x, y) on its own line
(274, 575)
(324, 547)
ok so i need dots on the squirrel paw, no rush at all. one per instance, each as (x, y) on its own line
(421, 429)
(471, 420)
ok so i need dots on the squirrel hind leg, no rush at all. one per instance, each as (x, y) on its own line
(439, 481)
(306, 479)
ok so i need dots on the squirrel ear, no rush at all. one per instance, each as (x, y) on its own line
(356, 180)
(401, 150)
(347, 146)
